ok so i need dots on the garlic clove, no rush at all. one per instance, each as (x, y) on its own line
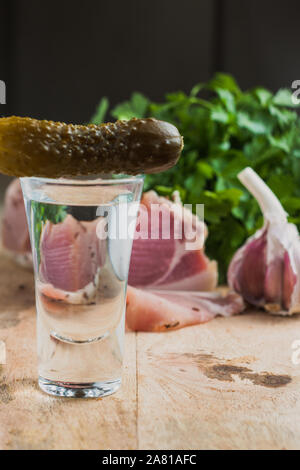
(252, 271)
(273, 282)
(266, 270)
(289, 281)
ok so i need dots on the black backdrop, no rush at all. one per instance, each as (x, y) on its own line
(59, 57)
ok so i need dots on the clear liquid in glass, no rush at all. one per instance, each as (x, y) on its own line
(81, 269)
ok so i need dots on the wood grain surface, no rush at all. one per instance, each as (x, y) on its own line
(227, 384)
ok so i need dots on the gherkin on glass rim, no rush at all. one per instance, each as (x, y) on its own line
(30, 147)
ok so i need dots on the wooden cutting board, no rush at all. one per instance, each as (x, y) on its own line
(227, 384)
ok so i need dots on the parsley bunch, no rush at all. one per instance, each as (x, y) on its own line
(225, 129)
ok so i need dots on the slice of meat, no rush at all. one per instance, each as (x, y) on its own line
(162, 256)
(70, 254)
(84, 296)
(15, 235)
(155, 310)
(155, 261)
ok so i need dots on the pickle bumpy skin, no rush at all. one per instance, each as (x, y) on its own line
(29, 147)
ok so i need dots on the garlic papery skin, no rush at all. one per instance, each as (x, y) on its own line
(270, 206)
(265, 270)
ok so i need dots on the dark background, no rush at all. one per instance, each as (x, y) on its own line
(59, 57)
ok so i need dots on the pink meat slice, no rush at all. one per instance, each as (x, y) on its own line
(169, 276)
(162, 263)
(161, 258)
(70, 254)
(154, 310)
(15, 235)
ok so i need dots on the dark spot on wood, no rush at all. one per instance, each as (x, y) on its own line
(199, 358)
(22, 286)
(225, 373)
(5, 393)
(271, 380)
(225, 370)
(196, 309)
(26, 382)
(7, 390)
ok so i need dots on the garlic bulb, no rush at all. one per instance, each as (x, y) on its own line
(266, 270)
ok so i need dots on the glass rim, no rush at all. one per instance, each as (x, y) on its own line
(81, 181)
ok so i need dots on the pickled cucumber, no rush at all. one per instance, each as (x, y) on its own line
(29, 147)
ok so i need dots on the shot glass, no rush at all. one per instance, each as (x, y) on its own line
(81, 235)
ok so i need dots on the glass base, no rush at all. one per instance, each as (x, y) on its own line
(74, 390)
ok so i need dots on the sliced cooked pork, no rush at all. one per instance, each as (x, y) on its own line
(70, 254)
(162, 257)
(15, 236)
(154, 310)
